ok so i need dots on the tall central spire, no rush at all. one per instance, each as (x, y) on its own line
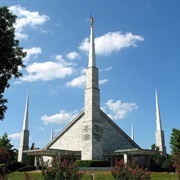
(158, 117)
(26, 114)
(160, 140)
(24, 138)
(92, 125)
(92, 56)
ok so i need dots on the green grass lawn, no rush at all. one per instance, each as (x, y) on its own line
(163, 176)
(99, 176)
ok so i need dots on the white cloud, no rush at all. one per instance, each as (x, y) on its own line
(102, 81)
(120, 110)
(40, 128)
(107, 69)
(84, 46)
(33, 52)
(77, 82)
(46, 71)
(112, 42)
(59, 57)
(73, 55)
(21, 35)
(26, 18)
(61, 118)
(14, 136)
(83, 71)
(61, 60)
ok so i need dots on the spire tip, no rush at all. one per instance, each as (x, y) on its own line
(91, 20)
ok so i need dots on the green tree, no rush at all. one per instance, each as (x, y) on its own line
(11, 55)
(168, 165)
(32, 146)
(154, 147)
(157, 160)
(5, 142)
(6, 152)
(175, 141)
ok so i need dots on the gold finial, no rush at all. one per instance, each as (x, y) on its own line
(92, 20)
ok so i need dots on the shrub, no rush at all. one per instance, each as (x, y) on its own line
(176, 164)
(5, 156)
(63, 170)
(92, 163)
(27, 168)
(16, 165)
(3, 171)
(128, 171)
(156, 162)
(168, 165)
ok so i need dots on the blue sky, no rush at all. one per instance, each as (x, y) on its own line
(137, 52)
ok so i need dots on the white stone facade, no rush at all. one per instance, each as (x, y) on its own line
(105, 135)
(114, 138)
(160, 142)
(24, 145)
(70, 137)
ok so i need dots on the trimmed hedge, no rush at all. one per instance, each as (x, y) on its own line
(92, 163)
(27, 168)
(16, 165)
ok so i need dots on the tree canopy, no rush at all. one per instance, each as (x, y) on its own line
(11, 55)
(175, 141)
(5, 142)
(7, 154)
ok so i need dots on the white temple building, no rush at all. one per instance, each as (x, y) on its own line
(91, 135)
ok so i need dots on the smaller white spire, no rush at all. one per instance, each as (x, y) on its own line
(158, 117)
(132, 132)
(52, 133)
(26, 114)
(92, 56)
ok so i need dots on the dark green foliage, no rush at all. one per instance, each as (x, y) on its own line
(92, 163)
(3, 171)
(15, 165)
(63, 170)
(32, 146)
(175, 141)
(176, 163)
(167, 165)
(5, 142)
(154, 147)
(156, 162)
(10, 55)
(7, 154)
(27, 168)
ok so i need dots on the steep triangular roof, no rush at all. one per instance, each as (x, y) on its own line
(119, 129)
(65, 129)
(76, 119)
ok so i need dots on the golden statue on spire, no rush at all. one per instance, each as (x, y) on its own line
(92, 20)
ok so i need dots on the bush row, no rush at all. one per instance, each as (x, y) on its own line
(27, 168)
(92, 163)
